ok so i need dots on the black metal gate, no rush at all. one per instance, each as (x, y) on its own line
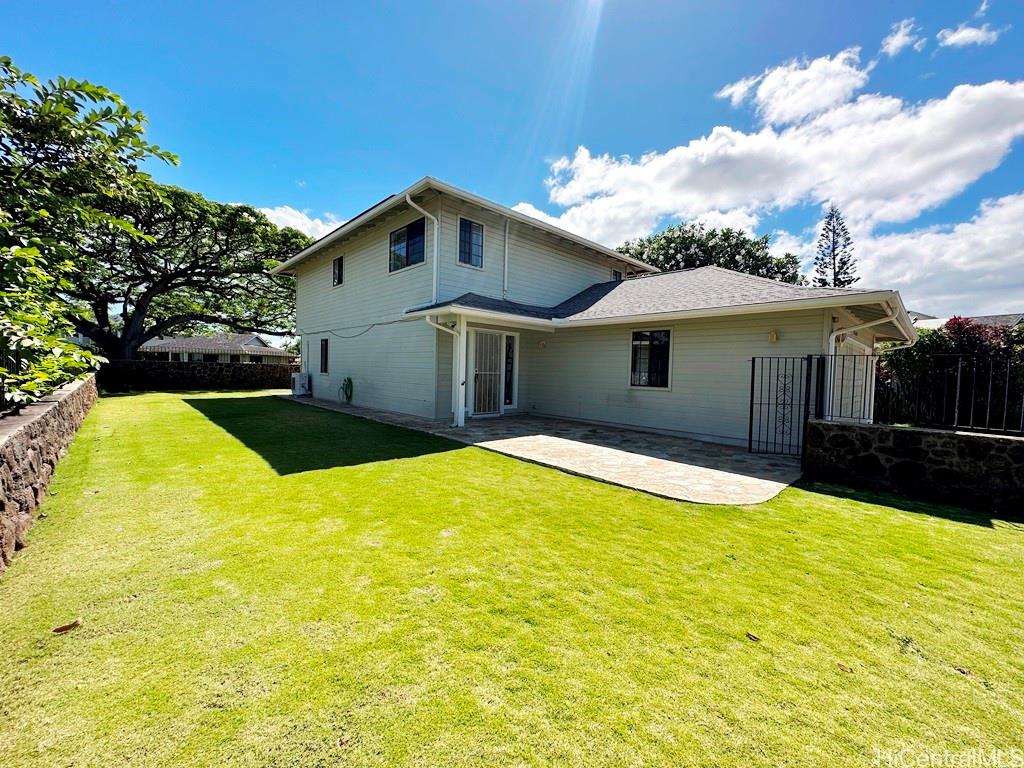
(781, 389)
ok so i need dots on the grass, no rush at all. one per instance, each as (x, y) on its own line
(262, 583)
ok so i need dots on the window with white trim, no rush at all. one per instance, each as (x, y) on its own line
(406, 245)
(338, 271)
(323, 355)
(471, 243)
(649, 362)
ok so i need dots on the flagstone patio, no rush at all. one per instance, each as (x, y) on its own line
(663, 465)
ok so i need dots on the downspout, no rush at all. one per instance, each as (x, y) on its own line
(504, 262)
(836, 333)
(455, 363)
(831, 351)
(437, 243)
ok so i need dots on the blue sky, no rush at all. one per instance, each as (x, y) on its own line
(315, 111)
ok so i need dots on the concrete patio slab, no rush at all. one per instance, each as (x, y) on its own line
(664, 465)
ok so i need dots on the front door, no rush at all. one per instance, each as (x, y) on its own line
(487, 373)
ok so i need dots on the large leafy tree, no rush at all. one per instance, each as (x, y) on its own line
(70, 151)
(834, 265)
(685, 246)
(202, 264)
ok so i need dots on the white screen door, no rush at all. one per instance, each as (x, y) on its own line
(488, 372)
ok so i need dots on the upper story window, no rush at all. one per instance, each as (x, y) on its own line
(323, 356)
(650, 359)
(616, 275)
(471, 243)
(406, 246)
(338, 274)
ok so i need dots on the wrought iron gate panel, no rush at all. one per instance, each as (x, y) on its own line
(780, 396)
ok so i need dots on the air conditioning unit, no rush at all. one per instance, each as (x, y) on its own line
(301, 384)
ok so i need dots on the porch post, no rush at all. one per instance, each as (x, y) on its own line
(460, 382)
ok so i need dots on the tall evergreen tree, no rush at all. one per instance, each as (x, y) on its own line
(834, 266)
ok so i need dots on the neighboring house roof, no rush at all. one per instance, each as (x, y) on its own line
(221, 343)
(430, 183)
(915, 316)
(1010, 319)
(703, 291)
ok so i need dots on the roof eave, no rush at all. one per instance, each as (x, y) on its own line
(884, 297)
(429, 182)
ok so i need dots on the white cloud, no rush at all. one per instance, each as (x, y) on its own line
(975, 267)
(286, 216)
(968, 35)
(879, 158)
(800, 89)
(982, 9)
(903, 34)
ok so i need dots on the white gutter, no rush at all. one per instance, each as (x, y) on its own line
(430, 321)
(504, 277)
(437, 242)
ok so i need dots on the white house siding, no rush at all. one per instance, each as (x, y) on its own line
(583, 373)
(443, 393)
(543, 269)
(392, 363)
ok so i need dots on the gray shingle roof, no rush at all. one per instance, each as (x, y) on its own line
(227, 343)
(681, 291)
(1010, 319)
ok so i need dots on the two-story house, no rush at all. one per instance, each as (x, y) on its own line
(438, 303)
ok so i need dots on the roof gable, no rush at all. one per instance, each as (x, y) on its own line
(429, 183)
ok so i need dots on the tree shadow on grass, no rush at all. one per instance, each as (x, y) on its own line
(972, 516)
(296, 438)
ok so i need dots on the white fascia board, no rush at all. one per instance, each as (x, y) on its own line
(486, 316)
(428, 182)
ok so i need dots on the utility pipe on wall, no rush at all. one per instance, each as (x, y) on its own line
(437, 244)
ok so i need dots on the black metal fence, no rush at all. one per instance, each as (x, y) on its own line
(964, 392)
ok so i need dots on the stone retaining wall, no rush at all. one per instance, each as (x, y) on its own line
(31, 442)
(165, 376)
(958, 467)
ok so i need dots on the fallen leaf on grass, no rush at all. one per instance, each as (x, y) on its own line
(64, 628)
(963, 671)
(752, 636)
(843, 667)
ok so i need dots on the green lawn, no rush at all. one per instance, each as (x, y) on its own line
(263, 583)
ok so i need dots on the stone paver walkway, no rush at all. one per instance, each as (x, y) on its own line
(672, 467)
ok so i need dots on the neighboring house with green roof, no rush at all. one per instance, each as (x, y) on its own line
(217, 348)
